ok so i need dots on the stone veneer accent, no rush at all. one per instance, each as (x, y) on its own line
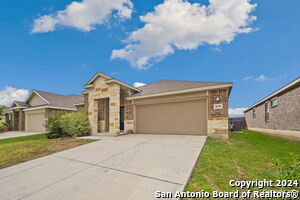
(129, 121)
(99, 91)
(86, 101)
(217, 124)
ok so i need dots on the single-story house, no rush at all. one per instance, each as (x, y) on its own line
(31, 114)
(278, 113)
(163, 107)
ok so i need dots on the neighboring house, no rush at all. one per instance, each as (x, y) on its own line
(31, 114)
(163, 107)
(278, 113)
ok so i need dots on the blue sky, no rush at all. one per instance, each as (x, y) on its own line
(64, 59)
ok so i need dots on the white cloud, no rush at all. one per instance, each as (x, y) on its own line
(262, 78)
(179, 24)
(247, 78)
(84, 15)
(9, 94)
(282, 76)
(236, 111)
(138, 84)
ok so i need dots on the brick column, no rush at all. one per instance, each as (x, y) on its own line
(218, 113)
(21, 120)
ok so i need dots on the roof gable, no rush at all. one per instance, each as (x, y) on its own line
(62, 101)
(32, 95)
(107, 80)
(36, 100)
(19, 104)
(14, 104)
(96, 76)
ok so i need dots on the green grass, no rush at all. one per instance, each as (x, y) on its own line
(17, 150)
(246, 156)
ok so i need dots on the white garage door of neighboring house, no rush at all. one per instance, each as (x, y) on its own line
(35, 121)
(185, 117)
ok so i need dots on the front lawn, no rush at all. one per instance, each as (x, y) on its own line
(246, 156)
(21, 149)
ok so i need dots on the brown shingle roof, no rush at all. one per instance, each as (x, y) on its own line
(22, 104)
(171, 86)
(62, 101)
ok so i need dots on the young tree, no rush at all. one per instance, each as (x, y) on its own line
(3, 109)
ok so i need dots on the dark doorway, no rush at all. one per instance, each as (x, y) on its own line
(103, 115)
(107, 115)
(122, 118)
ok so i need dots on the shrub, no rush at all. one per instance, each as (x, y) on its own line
(75, 124)
(1, 117)
(3, 125)
(53, 135)
(69, 124)
(53, 124)
(289, 170)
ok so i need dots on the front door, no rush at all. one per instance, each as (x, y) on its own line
(121, 118)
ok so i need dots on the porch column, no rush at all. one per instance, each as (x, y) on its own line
(21, 120)
(114, 108)
(15, 124)
(93, 115)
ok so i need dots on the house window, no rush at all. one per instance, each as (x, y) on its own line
(267, 111)
(274, 102)
(254, 112)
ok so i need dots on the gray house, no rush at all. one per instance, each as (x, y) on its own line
(278, 113)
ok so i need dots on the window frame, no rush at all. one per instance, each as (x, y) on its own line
(272, 100)
(254, 112)
(267, 111)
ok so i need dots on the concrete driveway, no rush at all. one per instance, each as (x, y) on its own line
(14, 134)
(130, 167)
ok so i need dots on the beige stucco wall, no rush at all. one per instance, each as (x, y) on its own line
(35, 100)
(35, 120)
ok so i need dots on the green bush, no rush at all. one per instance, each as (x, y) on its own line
(289, 170)
(53, 135)
(1, 117)
(75, 124)
(3, 125)
(53, 124)
(69, 124)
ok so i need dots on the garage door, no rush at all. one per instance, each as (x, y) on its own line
(185, 117)
(35, 121)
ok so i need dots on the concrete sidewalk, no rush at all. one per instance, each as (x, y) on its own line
(14, 134)
(131, 167)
